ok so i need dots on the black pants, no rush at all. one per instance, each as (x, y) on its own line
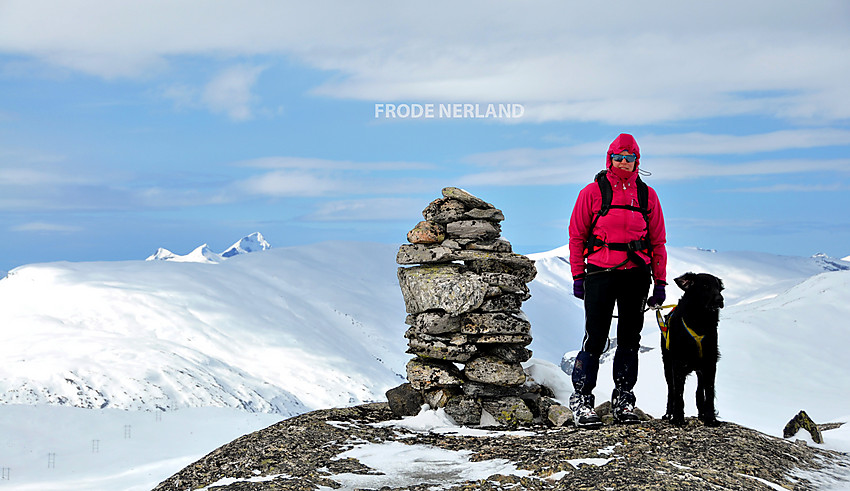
(627, 289)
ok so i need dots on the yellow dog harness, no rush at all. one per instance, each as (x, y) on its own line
(662, 324)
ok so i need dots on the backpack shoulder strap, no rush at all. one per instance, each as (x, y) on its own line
(643, 195)
(607, 192)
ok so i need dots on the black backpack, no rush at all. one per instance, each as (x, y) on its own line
(594, 243)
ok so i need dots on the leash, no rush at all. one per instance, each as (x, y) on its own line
(662, 321)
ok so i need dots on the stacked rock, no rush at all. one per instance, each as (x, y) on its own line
(463, 288)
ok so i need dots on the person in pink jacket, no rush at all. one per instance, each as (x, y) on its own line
(613, 258)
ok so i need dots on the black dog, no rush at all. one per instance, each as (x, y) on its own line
(690, 345)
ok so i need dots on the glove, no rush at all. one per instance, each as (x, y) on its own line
(658, 296)
(578, 288)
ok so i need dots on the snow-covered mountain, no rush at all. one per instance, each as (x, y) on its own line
(300, 328)
(252, 243)
(203, 254)
(284, 331)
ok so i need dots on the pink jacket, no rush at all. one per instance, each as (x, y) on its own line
(618, 225)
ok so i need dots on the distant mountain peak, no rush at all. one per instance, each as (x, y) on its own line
(161, 254)
(251, 243)
(203, 254)
(830, 264)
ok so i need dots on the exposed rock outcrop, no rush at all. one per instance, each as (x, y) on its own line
(303, 453)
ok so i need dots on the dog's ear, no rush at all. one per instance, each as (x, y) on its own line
(685, 281)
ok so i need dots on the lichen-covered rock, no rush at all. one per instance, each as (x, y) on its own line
(495, 262)
(489, 214)
(479, 230)
(426, 232)
(491, 391)
(404, 400)
(492, 370)
(502, 303)
(508, 411)
(494, 323)
(441, 351)
(303, 452)
(509, 352)
(558, 415)
(441, 253)
(453, 244)
(434, 322)
(497, 245)
(518, 339)
(464, 411)
(427, 374)
(424, 253)
(508, 283)
(439, 397)
(444, 210)
(493, 291)
(451, 338)
(446, 287)
(465, 197)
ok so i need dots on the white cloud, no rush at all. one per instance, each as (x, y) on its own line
(671, 156)
(376, 209)
(312, 177)
(577, 171)
(794, 188)
(329, 183)
(229, 92)
(45, 227)
(327, 164)
(706, 144)
(614, 62)
(291, 183)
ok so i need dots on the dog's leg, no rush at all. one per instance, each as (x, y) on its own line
(666, 358)
(676, 399)
(705, 396)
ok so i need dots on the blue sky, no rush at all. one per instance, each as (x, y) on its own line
(128, 126)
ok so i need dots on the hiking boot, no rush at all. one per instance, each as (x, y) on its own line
(623, 407)
(583, 413)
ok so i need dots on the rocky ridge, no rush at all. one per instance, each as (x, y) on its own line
(303, 453)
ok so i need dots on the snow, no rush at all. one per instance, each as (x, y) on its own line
(252, 243)
(48, 447)
(223, 347)
(203, 254)
(279, 331)
(406, 465)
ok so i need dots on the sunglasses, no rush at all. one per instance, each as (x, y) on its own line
(617, 158)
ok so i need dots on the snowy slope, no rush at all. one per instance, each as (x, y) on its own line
(283, 330)
(293, 329)
(748, 277)
(782, 339)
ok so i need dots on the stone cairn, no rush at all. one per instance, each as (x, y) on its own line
(463, 288)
